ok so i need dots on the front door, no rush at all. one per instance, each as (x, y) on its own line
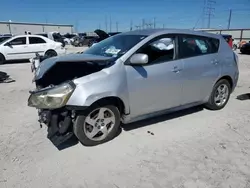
(201, 67)
(17, 48)
(157, 85)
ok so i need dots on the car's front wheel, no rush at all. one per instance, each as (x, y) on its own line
(2, 59)
(97, 125)
(219, 96)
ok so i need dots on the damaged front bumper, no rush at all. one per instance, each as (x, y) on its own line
(59, 125)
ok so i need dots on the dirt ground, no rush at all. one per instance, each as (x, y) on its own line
(195, 148)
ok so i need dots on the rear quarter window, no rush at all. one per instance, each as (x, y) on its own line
(215, 45)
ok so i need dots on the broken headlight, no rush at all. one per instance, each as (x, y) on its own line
(51, 98)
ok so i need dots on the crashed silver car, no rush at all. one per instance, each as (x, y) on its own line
(129, 77)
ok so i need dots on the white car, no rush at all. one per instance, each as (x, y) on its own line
(26, 46)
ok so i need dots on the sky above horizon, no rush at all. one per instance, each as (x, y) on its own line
(90, 15)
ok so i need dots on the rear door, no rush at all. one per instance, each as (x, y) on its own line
(201, 66)
(36, 45)
(17, 49)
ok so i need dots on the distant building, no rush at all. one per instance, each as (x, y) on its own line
(238, 34)
(16, 28)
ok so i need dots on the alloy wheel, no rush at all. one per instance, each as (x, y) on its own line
(99, 123)
(221, 95)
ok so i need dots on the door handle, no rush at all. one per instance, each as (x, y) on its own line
(176, 69)
(215, 61)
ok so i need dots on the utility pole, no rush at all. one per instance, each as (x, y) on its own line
(154, 22)
(110, 24)
(106, 24)
(229, 19)
(204, 13)
(131, 25)
(116, 26)
(143, 23)
(210, 10)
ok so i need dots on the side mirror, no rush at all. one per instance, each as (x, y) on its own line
(7, 44)
(139, 59)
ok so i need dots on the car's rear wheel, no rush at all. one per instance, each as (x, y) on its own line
(219, 96)
(2, 59)
(51, 53)
(97, 125)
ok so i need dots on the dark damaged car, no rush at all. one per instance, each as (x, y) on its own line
(129, 77)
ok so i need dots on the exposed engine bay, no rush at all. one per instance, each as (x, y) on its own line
(66, 71)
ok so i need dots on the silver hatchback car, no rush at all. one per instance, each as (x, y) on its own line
(129, 77)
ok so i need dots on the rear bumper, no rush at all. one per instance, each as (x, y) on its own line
(61, 51)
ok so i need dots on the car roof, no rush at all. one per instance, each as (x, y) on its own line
(29, 35)
(156, 32)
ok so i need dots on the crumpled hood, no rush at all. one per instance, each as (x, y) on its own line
(47, 64)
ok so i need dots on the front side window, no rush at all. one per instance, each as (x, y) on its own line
(115, 46)
(18, 41)
(36, 40)
(159, 50)
(191, 46)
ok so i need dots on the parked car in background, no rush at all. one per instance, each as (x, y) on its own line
(6, 35)
(69, 38)
(101, 36)
(245, 48)
(26, 46)
(230, 40)
(55, 36)
(129, 77)
(3, 38)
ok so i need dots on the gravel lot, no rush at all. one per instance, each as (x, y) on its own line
(195, 148)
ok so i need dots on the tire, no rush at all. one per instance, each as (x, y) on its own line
(211, 104)
(81, 126)
(51, 53)
(234, 47)
(2, 59)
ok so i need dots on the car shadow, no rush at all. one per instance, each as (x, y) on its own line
(69, 143)
(243, 97)
(136, 125)
(161, 118)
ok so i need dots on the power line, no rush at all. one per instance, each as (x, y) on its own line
(210, 9)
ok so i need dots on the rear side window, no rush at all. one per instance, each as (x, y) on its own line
(191, 46)
(36, 40)
(215, 43)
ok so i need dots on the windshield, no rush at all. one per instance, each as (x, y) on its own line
(115, 46)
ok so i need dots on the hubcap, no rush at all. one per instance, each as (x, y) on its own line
(221, 95)
(99, 123)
